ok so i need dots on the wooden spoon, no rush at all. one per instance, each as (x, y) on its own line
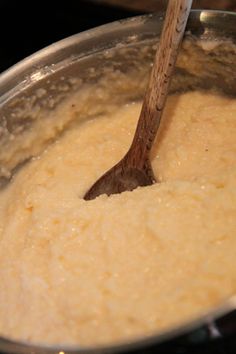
(135, 169)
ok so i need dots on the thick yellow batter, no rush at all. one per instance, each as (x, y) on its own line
(123, 266)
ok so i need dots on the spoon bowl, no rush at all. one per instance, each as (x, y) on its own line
(120, 178)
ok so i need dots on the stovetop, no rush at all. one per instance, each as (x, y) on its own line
(27, 26)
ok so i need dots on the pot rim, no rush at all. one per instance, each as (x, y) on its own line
(29, 70)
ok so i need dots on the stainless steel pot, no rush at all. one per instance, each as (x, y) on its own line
(35, 86)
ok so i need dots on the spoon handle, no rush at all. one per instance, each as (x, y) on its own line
(155, 97)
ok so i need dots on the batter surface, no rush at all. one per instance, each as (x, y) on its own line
(124, 266)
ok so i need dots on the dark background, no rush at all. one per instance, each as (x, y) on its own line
(27, 26)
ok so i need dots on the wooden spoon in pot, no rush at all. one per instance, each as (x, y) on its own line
(134, 169)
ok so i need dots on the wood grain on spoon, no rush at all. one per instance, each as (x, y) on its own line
(135, 169)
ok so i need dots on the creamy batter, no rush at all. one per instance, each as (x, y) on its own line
(120, 267)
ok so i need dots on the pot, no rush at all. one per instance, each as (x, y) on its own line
(31, 89)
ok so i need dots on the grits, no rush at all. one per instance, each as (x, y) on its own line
(128, 265)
